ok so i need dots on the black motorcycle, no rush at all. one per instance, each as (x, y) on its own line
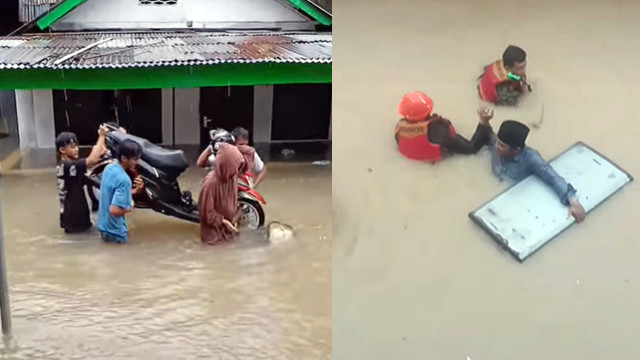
(159, 169)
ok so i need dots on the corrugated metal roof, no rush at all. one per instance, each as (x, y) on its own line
(125, 50)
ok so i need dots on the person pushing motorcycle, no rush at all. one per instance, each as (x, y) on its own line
(74, 210)
(240, 138)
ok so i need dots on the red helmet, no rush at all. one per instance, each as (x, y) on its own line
(415, 106)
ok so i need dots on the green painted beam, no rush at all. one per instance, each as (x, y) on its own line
(166, 77)
(312, 11)
(57, 12)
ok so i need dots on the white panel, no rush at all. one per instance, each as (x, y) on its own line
(529, 214)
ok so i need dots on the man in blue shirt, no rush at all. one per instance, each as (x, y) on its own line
(512, 159)
(116, 193)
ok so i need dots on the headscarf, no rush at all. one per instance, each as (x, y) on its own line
(248, 152)
(218, 197)
(230, 161)
(513, 133)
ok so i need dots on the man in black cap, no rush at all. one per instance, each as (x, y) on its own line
(512, 159)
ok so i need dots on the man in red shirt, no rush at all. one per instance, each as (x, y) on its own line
(505, 80)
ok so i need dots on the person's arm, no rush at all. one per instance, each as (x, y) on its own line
(121, 203)
(460, 145)
(259, 168)
(138, 185)
(98, 149)
(566, 192)
(545, 172)
(203, 159)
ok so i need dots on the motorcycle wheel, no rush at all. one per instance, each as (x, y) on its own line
(252, 213)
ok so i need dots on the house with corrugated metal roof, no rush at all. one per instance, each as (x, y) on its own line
(170, 70)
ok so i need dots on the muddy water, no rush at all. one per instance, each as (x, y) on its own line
(164, 295)
(413, 277)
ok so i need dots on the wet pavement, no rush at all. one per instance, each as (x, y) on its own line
(164, 295)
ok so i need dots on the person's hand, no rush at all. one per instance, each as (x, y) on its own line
(576, 210)
(485, 114)
(138, 185)
(229, 225)
(102, 131)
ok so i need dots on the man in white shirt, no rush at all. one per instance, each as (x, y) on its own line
(239, 136)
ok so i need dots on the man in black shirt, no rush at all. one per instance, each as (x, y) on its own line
(74, 210)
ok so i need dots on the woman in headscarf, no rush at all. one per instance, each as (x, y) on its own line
(218, 202)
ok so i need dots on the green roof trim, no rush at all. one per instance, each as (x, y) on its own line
(166, 77)
(57, 12)
(312, 11)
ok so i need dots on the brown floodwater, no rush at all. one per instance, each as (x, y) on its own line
(413, 277)
(164, 295)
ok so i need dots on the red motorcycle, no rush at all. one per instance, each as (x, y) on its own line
(250, 202)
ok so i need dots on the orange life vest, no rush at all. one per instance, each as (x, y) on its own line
(413, 140)
(494, 75)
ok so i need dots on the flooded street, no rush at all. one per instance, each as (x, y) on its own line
(165, 295)
(413, 277)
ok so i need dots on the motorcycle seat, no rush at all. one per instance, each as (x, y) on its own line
(155, 155)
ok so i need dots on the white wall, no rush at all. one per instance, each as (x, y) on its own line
(262, 113)
(187, 116)
(45, 123)
(167, 116)
(26, 119)
(35, 118)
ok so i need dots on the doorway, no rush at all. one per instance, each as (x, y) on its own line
(140, 112)
(301, 112)
(82, 111)
(225, 107)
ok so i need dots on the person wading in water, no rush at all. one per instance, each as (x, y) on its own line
(512, 160)
(218, 200)
(504, 81)
(424, 136)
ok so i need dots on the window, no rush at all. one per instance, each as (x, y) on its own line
(157, 2)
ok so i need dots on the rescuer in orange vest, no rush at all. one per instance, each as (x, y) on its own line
(424, 136)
